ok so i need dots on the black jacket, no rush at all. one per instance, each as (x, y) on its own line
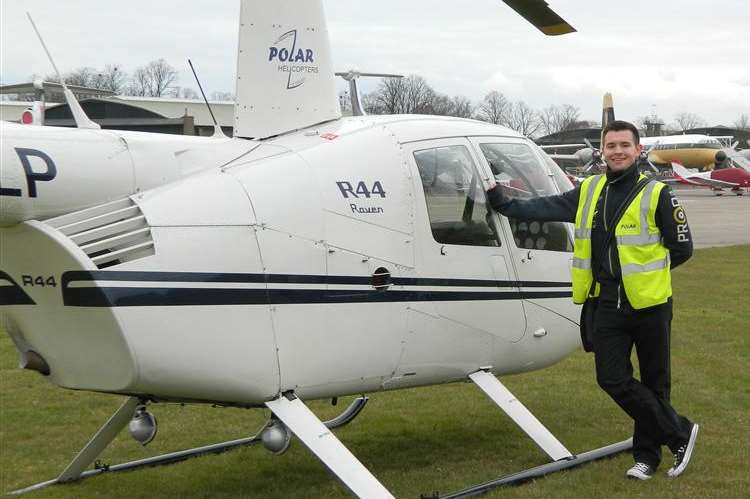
(670, 218)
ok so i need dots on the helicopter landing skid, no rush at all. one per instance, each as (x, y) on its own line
(75, 470)
(539, 471)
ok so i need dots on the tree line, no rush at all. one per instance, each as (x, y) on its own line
(413, 95)
(157, 78)
(409, 95)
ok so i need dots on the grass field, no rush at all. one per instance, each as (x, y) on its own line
(430, 439)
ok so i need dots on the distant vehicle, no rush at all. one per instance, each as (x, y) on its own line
(691, 150)
(735, 179)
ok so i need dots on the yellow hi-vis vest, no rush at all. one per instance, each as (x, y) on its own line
(644, 261)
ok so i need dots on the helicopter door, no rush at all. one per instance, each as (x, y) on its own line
(541, 251)
(463, 260)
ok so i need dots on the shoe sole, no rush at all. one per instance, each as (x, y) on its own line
(675, 472)
(638, 476)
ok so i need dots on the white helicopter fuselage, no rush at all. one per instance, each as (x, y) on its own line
(230, 270)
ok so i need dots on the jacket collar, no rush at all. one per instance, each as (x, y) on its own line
(631, 173)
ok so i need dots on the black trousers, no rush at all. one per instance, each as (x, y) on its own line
(656, 423)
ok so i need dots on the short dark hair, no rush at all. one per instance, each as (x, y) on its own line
(619, 126)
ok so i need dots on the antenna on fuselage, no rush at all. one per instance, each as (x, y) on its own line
(79, 116)
(218, 132)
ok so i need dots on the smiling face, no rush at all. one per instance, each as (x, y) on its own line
(620, 150)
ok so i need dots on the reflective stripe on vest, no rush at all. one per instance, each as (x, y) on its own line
(582, 276)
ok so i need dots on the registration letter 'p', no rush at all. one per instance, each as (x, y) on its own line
(33, 177)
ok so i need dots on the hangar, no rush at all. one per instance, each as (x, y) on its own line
(144, 114)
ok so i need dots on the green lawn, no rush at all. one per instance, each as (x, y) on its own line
(429, 439)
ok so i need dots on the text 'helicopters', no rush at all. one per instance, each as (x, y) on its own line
(310, 256)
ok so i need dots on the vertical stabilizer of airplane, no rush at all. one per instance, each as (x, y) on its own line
(608, 110)
(285, 78)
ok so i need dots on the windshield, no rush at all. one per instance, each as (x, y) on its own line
(523, 176)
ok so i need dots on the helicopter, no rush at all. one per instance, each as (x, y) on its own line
(310, 256)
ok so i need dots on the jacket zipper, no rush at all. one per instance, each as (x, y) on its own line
(609, 249)
(606, 228)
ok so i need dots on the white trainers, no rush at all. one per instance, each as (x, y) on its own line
(641, 471)
(682, 456)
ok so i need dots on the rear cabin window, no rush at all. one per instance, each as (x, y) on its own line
(523, 176)
(456, 203)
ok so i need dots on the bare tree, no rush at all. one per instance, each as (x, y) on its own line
(555, 119)
(371, 104)
(687, 121)
(155, 79)
(743, 122)
(523, 119)
(444, 105)
(403, 96)
(494, 108)
(418, 95)
(110, 78)
(462, 107)
(139, 83)
(81, 77)
(441, 105)
(388, 97)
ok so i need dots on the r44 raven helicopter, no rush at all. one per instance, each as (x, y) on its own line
(310, 256)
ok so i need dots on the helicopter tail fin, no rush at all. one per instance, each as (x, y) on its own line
(285, 78)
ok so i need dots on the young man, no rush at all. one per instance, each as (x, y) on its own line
(633, 283)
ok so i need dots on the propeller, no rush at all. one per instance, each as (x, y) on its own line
(644, 159)
(723, 156)
(595, 159)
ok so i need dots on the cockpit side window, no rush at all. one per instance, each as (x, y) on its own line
(518, 170)
(456, 203)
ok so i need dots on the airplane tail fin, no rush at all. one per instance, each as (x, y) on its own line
(608, 110)
(680, 171)
(285, 78)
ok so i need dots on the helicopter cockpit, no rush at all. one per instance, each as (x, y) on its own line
(517, 169)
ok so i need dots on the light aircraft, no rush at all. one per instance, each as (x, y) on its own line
(735, 179)
(308, 257)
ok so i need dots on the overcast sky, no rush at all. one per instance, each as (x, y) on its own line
(670, 57)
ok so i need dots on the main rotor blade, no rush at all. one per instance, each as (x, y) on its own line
(538, 13)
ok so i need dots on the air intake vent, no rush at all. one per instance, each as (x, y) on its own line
(110, 234)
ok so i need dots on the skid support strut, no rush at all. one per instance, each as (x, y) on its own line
(520, 415)
(122, 416)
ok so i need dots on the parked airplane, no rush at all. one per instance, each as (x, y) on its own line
(735, 179)
(732, 156)
(246, 272)
(691, 150)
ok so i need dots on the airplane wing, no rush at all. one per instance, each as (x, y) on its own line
(741, 162)
(683, 175)
(571, 157)
(538, 13)
(711, 182)
(563, 146)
